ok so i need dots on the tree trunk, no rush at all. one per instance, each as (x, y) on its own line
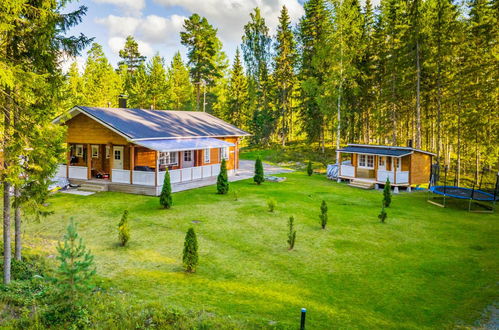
(17, 224)
(418, 101)
(6, 201)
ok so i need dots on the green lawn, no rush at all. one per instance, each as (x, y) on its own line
(427, 267)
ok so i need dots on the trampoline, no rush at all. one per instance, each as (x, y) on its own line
(463, 193)
(470, 194)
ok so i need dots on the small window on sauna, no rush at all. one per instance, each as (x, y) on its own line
(95, 151)
(381, 162)
(207, 157)
(108, 152)
(397, 163)
(362, 160)
(224, 153)
(79, 150)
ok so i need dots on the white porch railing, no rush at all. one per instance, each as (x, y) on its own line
(61, 171)
(145, 178)
(192, 173)
(402, 176)
(78, 172)
(347, 170)
(121, 176)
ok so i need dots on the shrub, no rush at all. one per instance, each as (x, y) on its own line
(259, 176)
(310, 170)
(323, 215)
(387, 194)
(236, 195)
(124, 229)
(223, 179)
(382, 216)
(271, 204)
(165, 199)
(190, 256)
(291, 233)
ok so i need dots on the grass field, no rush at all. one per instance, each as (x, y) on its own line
(427, 267)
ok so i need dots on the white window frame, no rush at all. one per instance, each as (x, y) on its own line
(224, 153)
(363, 161)
(188, 152)
(95, 150)
(168, 158)
(79, 150)
(207, 156)
(108, 152)
(398, 164)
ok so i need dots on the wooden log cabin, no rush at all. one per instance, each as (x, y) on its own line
(365, 166)
(129, 150)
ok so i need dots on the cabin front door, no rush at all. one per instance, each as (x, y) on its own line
(118, 157)
(188, 159)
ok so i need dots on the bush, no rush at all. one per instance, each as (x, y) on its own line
(259, 176)
(190, 256)
(310, 170)
(165, 199)
(124, 229)
(271, 204)
(223, 179)
(387, 194)
(382, 216)
(291, 233)
(323, 215)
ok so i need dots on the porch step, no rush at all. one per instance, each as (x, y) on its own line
(94, 187)
(361, 184)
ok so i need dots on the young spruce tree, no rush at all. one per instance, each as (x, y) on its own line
(76, 265)
(323, 215)
(259, 176)
(291, 233)
(190, 256)
(310, 170)
(387, 194)
(223, 179)
(382, 216)
(124, 229)
(165, 199)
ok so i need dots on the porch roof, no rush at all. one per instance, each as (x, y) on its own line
(167, 145)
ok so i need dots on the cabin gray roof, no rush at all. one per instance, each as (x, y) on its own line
(141, 124)
(381, 150)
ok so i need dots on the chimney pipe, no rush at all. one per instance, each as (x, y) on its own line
(409, 143)
(122, 101)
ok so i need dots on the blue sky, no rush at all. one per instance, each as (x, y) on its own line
(156, 24)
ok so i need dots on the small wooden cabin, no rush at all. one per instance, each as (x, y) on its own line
(129, 150)
(366, 165)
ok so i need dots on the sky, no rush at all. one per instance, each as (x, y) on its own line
(156, 24)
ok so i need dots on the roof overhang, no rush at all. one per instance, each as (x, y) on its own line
(169, 145)
(409, 149)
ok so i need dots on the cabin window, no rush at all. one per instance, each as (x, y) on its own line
(188, 156)
(95, 151)
(79, 150)
(366, 161)
(207, 156)
(224, 153)
(108, 152)
(397, 163)
(168, 158)
(381, 161)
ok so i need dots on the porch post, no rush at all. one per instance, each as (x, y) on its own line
(394, 165)
(156, 168)
(132, 162)
(89, 162)
(68, 161)
(339, 166)
(111, 161)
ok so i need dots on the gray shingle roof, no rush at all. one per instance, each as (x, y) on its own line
(153, 124)
(381, 150)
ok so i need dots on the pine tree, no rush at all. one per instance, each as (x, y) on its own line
(387, 194)
(223, 179)
(237, 102)
(382, 216)
(165, 199)
(190, 255)
(124, 229)
(156, 83)
(310, 170)
(204, 52)
(179, 87)
(76, 270)
(131, 56)
(291, 233)
(323, 215)
(285, 61)
(259, 175)
(138, 92)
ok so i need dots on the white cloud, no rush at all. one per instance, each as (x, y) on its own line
(130, 7)
(157, 29)
(230, 16)
(121, 26)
